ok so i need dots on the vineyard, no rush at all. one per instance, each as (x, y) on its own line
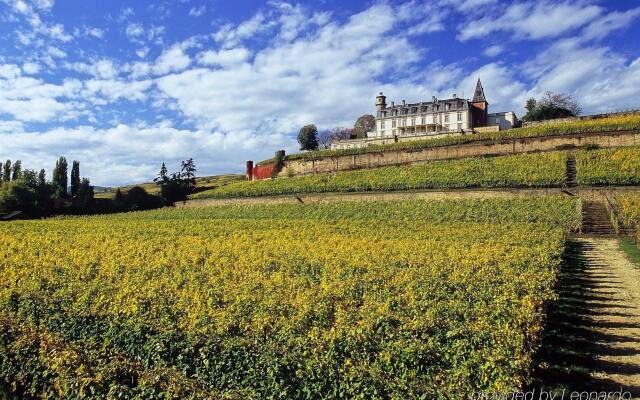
(295, 301)
(619, 166)
(611, 124)
(629, 208)
(522, 170)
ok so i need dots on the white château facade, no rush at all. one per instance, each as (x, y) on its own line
(438, 117)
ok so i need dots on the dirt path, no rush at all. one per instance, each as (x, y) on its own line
(593, 338)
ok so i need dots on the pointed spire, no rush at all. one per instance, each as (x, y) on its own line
(478, 95)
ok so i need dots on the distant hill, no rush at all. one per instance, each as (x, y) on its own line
(202, 183)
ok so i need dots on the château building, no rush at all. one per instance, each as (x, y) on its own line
(438, 117)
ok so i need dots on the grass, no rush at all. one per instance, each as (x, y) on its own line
(631, 249)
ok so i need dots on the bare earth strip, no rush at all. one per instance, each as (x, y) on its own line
(593, 336)
(373, 196)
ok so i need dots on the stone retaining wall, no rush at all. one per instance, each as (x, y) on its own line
(474, 149)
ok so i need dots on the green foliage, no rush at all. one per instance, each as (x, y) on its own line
(550, 107)
(75, 178)
(16, 172)
(590, 125)
(307, 137)
(231, 303)
(523, 170)
(60, 178)
(618, 166)
(6, 171)
(18, 195)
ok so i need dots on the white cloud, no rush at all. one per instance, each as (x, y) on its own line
(493, 51)
(173, 59)
(134, 30)
(126, 154)
(33, 110)
(95, 32)
(533, 20)
(224, 58)
(31, 68)
(603, 26)
(290, 84)
(114, 89)
(197, 11)
(9, 71)
(11, 127)
(56, 52)
(230, 36)
(103, 69)
(599, 78)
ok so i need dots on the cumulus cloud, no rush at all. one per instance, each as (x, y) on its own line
(533, 20)
(125, 153)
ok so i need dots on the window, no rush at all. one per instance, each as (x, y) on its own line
(459, 116)
(446, 118)
(394, 132)
(382, 124)
(460, 126)
(404, 122)
(393, 123)
(424, 120)
(413, 121)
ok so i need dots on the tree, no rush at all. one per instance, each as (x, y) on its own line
(162, 177)
(551, 106)
(17, 170)
(365, 123)
(118, 199)
(42, 178)
(59, 179)
(307, 137)
(188, 174)
(531, 105)
(44, 191)
(85, 197)
(325, 138)
(6, 171)
(75, 178)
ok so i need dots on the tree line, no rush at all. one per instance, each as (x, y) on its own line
(67, 193)
(309, 138)
(29, 191)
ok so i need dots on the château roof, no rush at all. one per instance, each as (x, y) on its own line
(478, 95)
(425, 107)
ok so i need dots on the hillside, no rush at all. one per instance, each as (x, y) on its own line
(202, 183)
(619, 166)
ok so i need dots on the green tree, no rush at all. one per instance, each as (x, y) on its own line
(551, 106)
(6, 171)
(307, 137)
(60, 179)
(188, 174)
(531, 105)
(85, 197)
(366, 123)
(16, 170)
(75, 178)
(42, 178)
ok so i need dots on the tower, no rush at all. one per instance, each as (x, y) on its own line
(479, 107)
(381, 102)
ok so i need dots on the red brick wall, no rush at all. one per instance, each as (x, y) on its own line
(263, 171)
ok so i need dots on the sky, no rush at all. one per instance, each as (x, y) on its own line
(123, 86)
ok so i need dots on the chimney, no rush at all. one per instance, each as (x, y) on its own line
(433, 99)
(404, 103)
(455, 96)
(393, 104)
(249, 171)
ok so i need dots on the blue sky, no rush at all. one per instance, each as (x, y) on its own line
(123, 86)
